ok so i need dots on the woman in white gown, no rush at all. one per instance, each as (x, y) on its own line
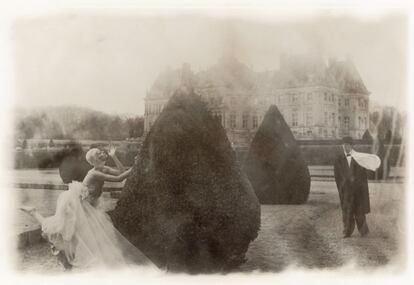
(80, 227)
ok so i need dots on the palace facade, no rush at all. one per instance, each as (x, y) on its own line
(318, 100)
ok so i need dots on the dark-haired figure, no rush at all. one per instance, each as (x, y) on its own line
(352, 183)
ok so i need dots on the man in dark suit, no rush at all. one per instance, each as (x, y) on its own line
(352, 183)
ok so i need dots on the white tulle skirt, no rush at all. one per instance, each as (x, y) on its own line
(86, 234)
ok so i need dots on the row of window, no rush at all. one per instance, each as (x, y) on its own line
(153, 109)
(233, 120)
(363, 103)
(328, 98)
(346, 102)
(362, 122)
(329, 118)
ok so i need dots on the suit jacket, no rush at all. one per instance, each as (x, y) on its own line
(352, 184)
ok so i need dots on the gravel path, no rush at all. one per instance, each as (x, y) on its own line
(308, 236)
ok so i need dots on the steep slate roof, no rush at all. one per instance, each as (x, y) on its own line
(229, 74)
(302, 71)
(347, 77)
(169, 80)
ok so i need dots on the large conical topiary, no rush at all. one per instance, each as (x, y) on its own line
(187, 205)
(274, 163)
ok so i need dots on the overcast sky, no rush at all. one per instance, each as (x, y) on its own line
(107, 61)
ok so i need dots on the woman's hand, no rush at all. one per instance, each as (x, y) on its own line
(112, 150)
(137, 158)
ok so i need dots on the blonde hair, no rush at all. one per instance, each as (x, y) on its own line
(92, 156)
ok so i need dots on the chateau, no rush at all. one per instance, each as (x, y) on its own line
(318, 100)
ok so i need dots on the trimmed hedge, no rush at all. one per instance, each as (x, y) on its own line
(274, 163)
(312, 154)
(187, 205)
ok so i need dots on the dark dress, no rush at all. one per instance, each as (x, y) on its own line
(352, 183)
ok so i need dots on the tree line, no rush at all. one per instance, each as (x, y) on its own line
(76, 123)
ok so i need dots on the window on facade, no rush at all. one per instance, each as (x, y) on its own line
(339, 121)
(346, 122)
(325, 96)
(233, 120)
(333, 98)
(347, 102)
(309, 119)
(309, 96)
(333, 117)
(325, 133)
(217, 115)
(245, 120)
(294, 98)
(333, 133)
(294, 118)
(255, 122)
(326, 118)
(339, 101)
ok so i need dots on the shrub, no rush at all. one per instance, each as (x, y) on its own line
(187, 205)
(274, 163)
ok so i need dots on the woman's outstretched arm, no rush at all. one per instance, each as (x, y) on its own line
(112, 178)
(112, 154)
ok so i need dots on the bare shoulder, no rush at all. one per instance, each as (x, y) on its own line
(96, 174)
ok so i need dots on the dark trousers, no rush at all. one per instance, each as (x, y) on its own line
(351, 215)
(351, 220)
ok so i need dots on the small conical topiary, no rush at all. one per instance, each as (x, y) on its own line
(187, 205)
(274, 163)
(367, 137)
